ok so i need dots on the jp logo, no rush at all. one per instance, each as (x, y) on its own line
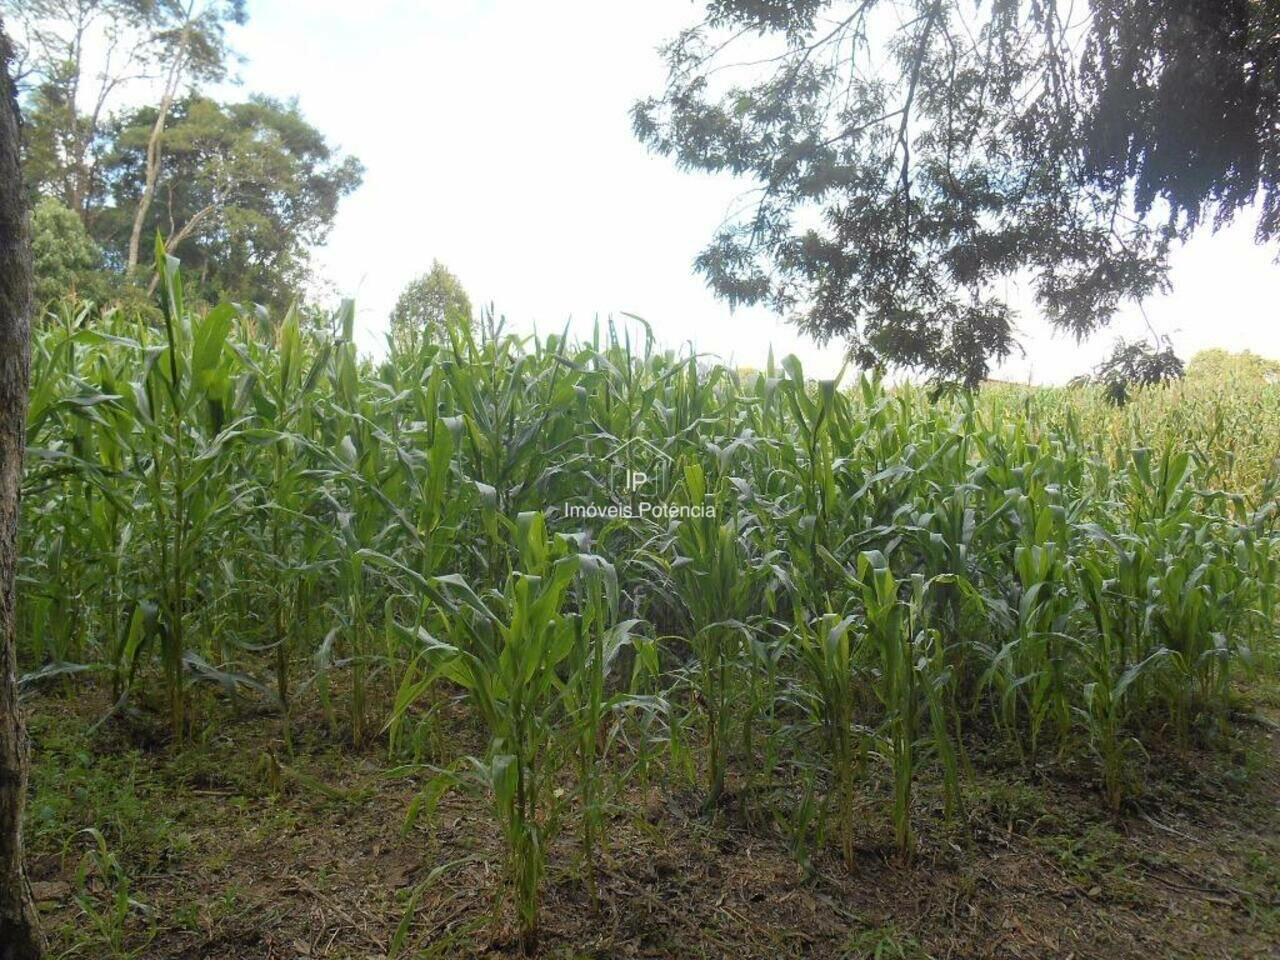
(639, 479)
(637, 466)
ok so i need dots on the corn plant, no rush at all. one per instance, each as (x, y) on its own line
(111, 922)
(588, 705)
(827, 651)
(281, 404)
(183, 404)
(851, 573)
(513, 644)
(1105, 693)
(715, 579)
(912, 681)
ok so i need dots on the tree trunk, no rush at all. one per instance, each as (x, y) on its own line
(154, 146)
(19, 933)
(149, 181)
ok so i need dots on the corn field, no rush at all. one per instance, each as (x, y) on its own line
(634, 563)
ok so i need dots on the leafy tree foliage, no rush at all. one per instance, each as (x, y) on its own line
(912, 158)
(425, 305)
(68, 105)
(64, 256)
(1136, 364)
(245, 190)
(1221, 367)
(252, 181)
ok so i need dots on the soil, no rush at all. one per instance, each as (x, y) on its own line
(233, 847)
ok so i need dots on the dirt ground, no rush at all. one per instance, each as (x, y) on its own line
(219, 851)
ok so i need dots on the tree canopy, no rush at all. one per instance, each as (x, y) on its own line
(1221, 367)
(1134, 364)
(241, 191)
(246, 189)
(68, 104)
(425, 304)
(64, 257)
(910, 159)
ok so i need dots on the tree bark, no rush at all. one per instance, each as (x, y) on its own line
(152, 173)
(20, 937)
(154, 146)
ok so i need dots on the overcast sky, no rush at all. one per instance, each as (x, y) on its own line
(495, 137)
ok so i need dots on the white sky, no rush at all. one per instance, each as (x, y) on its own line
(496, 137)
